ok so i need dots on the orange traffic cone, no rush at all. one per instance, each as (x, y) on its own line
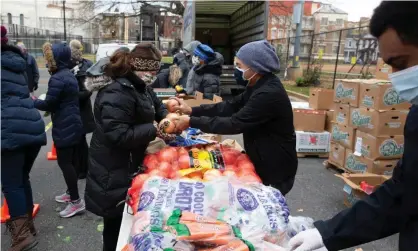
(5, 211)
(52, 155)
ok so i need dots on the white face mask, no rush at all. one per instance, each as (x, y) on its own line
(243, 71)
(406, 84)
(195, 60)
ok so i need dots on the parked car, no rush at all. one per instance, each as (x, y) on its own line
(106, 50)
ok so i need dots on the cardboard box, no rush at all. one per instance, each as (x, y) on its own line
(343, 135)
(300, 105)
(309, 120)
(382, 70)
(342, 114)
(347, 91)
(378, 123)
(321, 99)
(352, 185)
(358, 164)
(337, 155)
(328, 121)
(312, 142)
(379, 147)
(199, 100)
(380, 95)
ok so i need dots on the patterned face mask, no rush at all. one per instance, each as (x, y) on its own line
(147, 77)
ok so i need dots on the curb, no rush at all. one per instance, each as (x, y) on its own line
(297, 95)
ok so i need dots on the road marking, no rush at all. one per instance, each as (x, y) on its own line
(48, 126)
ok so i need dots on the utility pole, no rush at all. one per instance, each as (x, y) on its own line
(296, 52)
(141, 31)
(294, 72)
(65, 28)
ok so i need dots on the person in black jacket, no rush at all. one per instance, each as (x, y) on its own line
(22, 135)
(62, 101)
(393, 207)
(125, 110)
(205, 75)
(263, 113)
(184, 60)
(79, 68)
(32, 71)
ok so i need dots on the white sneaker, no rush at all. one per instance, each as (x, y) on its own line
(73, 208)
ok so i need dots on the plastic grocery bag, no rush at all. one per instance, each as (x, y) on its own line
(157, 241)
(225, 199)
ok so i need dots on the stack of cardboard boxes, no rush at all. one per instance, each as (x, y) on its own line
(367, 131)
(310, 123)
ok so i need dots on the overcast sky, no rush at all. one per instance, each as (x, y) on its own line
(356, 8)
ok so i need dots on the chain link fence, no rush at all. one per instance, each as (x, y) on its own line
(327, 56)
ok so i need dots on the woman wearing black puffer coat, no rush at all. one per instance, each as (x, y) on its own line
(125, 110)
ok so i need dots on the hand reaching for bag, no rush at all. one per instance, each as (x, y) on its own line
(307, 240)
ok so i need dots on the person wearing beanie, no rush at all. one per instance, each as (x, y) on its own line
(32, 71)
(22, 136)
(125, 110)
(62, 102)
(183, 59)
(262, 113)
(79, 67)
(205, 75)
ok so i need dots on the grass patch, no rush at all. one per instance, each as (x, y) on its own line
(294, 88)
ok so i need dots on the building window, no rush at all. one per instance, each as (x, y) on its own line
(324, 21)
(274, 21)
(280, 35)
(340, 21)
(273, 33)
(349, 43)
(22, 20)
(9, 18)
(335, 49)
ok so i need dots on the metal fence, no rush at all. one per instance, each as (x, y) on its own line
(330, 55)
(34, 39)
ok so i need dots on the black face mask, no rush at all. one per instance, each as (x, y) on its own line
(239, 79)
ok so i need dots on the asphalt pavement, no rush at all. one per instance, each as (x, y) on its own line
(317, 193)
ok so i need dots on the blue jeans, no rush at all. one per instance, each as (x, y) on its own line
(15, 168)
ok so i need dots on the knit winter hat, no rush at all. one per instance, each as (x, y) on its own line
(190, 47)
(76, 50)
(204, 52)
(4, 38)
(145, 57)
(260, 56)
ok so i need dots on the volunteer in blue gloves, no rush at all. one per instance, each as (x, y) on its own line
(393, 207)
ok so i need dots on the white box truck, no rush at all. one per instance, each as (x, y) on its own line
(225, 26)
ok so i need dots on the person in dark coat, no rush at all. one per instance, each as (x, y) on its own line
(32, 71)
(184, 60)
(79, 67)
(62, 101)
(22, 135)
(263, 114)
(393, 207)
(125, 110)
(205, 75)
(169, 78)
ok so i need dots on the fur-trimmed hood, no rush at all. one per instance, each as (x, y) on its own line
(96, 79)
(57, 56)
